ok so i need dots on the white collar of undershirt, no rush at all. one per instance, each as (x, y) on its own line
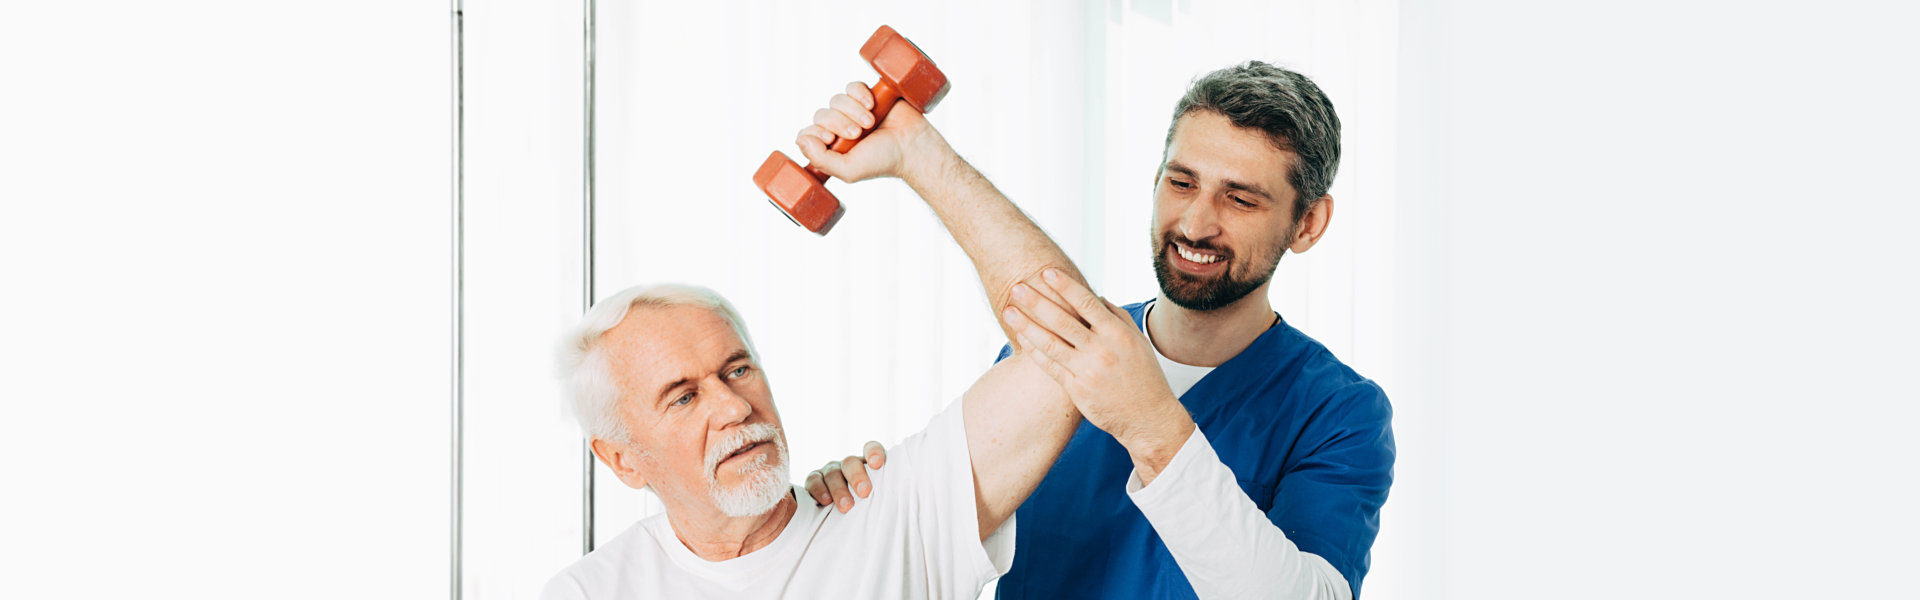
(1180, 377)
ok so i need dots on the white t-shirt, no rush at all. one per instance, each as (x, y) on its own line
(916, 536)
(1180, 376)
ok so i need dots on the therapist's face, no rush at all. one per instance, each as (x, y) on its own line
(1222, 212)
(704, 431)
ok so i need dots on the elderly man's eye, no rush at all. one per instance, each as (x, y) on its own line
(738, 372)
(683, 399)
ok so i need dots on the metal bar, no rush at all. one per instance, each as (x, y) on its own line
(586, 278)
(459, 291)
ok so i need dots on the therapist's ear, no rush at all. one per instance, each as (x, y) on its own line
(1312, 225)
(623, 459)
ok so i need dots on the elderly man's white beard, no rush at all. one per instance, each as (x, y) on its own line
(766, 484)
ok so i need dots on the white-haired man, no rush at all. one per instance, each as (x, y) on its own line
(666, 382)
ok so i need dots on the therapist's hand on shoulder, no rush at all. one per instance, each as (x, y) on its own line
(1095, 351)
(837, 482)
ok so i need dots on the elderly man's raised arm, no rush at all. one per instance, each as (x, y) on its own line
(1017, 419)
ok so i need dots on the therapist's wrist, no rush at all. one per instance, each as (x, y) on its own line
(1152, 445)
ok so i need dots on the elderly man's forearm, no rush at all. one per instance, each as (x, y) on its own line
(1006, 247)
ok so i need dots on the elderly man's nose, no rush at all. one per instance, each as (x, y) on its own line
(731, 407)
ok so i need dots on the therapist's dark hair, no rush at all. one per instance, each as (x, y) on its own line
(1296, 116)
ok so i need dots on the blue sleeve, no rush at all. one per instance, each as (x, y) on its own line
(1328, 503)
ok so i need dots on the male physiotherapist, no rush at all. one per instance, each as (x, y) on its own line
(665, 381)
(1251, 463)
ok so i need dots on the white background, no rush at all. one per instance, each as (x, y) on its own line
(1636, 275)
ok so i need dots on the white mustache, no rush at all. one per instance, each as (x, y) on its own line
(746, 436)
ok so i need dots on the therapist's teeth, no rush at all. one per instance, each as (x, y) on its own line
(1202, 259)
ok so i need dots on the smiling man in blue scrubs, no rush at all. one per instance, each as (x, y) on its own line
(1235, 456)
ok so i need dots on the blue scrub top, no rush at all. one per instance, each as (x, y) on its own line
(1309, 440)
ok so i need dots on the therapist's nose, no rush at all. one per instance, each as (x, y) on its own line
(1200, 220)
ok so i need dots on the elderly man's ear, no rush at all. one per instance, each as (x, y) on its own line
(623, 459)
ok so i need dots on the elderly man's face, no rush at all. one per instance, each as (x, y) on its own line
(704, 431)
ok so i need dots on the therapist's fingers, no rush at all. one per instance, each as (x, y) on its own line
(1047, 365)
(876, 455)
(835, 478)
(1037, 340)
(1118, 313)
(1089, 307)
(1050, 316)
(854, 470)
(817, 487)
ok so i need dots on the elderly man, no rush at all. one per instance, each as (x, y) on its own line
(666, 382)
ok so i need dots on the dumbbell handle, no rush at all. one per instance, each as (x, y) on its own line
(884, 97)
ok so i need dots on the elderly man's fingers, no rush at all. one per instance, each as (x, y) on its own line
(876, 455)
(814, 132)
(837, 122)
(853, 109)
(1050, 316)
(859, 91)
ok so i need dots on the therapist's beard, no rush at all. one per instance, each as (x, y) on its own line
(1203, 294)
(765, 484)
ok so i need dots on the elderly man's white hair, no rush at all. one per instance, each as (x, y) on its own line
(583, 367)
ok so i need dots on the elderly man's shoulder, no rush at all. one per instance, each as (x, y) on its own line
(629, 563)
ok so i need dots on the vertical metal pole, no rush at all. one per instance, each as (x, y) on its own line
(459, 288)
(586, 277)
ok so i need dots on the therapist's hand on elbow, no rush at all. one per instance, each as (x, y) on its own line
(837, 482)
(1096, 352)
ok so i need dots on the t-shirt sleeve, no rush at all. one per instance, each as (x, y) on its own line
(938, 473)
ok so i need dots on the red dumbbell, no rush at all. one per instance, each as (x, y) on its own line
(905, 74)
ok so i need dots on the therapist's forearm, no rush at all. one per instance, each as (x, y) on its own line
(1223, 542)
(1005, 246)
